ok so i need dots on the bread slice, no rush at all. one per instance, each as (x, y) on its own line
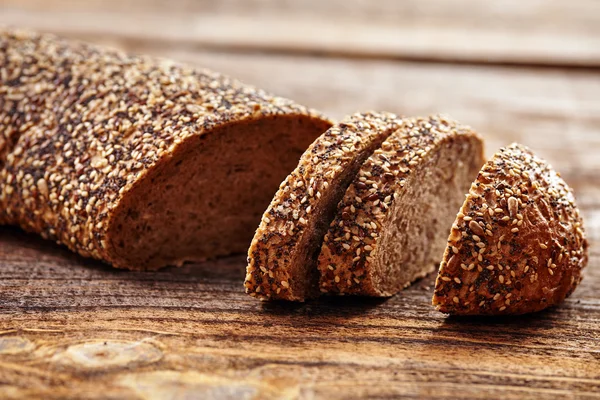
(283, 254)
(389, 227)
(138, 162)
(517, 244)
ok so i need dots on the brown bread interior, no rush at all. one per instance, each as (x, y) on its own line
(417, 230)
(207, 199)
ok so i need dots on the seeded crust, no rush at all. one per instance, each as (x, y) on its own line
(386, 230)
(283, 254)
(84, 131)
(517, 244)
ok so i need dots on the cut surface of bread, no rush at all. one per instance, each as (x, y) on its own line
(135, 161)
(207, 198)
(389, 227)
(517, 244)
(283, 254)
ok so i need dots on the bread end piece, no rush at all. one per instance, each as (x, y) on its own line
(518, 243)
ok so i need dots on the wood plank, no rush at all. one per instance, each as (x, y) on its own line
(505, 31)
(71, 326)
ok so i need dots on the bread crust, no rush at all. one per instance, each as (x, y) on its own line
(518, 243)
(93, 122)
(350, 257)
(277, 258)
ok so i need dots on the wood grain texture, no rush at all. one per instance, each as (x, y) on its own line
(74, 328)
(77, 329)
(503, 31)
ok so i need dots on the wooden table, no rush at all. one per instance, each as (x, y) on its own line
(515, 70)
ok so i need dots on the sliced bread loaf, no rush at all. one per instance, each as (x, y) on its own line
(517, 244)
(283, 254)
(135, 161)
(389, 227)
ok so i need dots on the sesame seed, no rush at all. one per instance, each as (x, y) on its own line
(455, 299)
(513, 206)
(457, 280)
(476, 228)
(446, 279)
(285, 284)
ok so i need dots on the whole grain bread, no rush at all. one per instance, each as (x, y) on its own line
(389, 227)
(517, 244)
(283, 254)
(136, 161)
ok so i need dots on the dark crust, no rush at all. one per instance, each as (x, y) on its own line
(524, 255)
(286, 224)
(92, 122)
(350, 251)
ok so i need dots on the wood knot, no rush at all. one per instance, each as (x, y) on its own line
(110, 354)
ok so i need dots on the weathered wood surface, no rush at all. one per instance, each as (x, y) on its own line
(508, 31)
(74, 328)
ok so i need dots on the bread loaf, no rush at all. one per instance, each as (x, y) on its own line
(283, 255)
(517, 244)
(390, 226)
(138, 162)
